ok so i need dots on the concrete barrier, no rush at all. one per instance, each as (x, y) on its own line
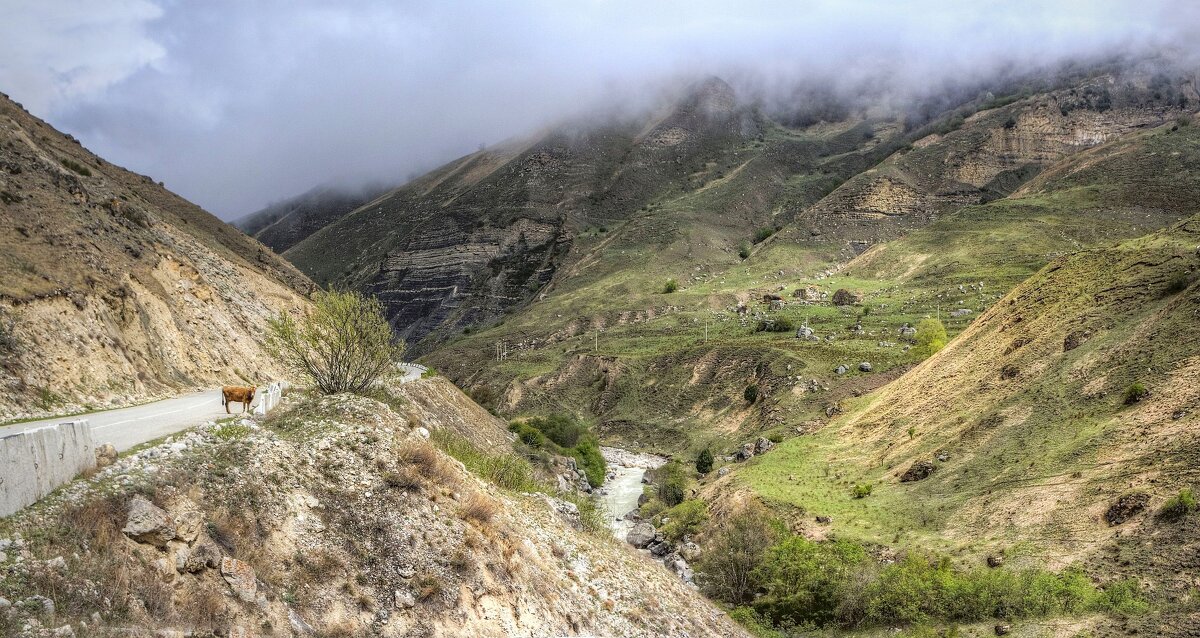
(35, 462)
(269, 397)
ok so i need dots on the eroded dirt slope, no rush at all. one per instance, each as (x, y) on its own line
(113, 289)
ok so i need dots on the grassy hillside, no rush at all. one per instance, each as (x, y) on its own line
(467, 244)
(1035, 424)
(605, 341)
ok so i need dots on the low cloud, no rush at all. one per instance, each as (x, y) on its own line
(236, 104)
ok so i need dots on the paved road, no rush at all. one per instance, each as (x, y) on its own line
(127, 427)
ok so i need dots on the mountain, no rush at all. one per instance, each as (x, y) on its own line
(280, 226)
(114, 289)
(488, 233)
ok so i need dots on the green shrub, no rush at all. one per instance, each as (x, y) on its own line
(861, 490)
(728, 568)
(1135, 392)
(670, 287)
(781, 324)
(837, 583)
(762, 234)
(1176, 285)
(591, 461)
(683, 519)
(232, 431)
(752, 622)
(704, 462)
(528, 434)
(1179, 505)
(77, 167)
(744, 250)
(564, 430)
(806, 582)
(653, 506)
(750, 394)
(931, 337)
(670, 483)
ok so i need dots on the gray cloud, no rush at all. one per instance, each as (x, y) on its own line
(235, 104)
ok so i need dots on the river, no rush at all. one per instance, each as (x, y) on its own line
(623, 485)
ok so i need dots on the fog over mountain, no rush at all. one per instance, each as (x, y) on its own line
(235, 105)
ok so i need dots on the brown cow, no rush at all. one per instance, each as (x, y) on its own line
(237, 394)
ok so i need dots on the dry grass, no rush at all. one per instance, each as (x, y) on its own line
(479, 509)
(93, 532)
(404, 478)
(426, 460)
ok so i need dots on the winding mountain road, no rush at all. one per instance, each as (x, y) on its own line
(127, 427)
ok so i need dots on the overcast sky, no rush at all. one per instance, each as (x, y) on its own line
(238, 103)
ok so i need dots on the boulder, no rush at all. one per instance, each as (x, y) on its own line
(1003, 630)
(689, 551)
(641, 535)
(106, 455)
(723, 471)
(995, 560)
(660, 548)
(807, 293)
(745, 453)
(679, 565)
(195, 559)
(824, 520)
(148, 523)
(907, 331)
(188, 525)
(844, 297)
(1126, 507)
(841, 369)
(567, 510)
(918, 471)
(762, 445)
(241, 578)
(865, 366)
(564, 484)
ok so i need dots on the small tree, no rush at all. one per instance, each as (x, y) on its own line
(704, 462)
(343, 345)
(931, 337)
(750, 394)
(670, 287)
(726, 571)
(671, 483)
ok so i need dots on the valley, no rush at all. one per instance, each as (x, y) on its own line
(835, 359)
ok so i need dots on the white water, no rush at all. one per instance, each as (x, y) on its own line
(621, 489)
(620, 495)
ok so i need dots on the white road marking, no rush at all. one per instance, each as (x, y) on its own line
(151, 416)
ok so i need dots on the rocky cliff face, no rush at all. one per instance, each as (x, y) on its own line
(112, 288)
(989, 154)
(485, 234)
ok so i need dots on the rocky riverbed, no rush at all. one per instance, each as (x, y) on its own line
(623, 485)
